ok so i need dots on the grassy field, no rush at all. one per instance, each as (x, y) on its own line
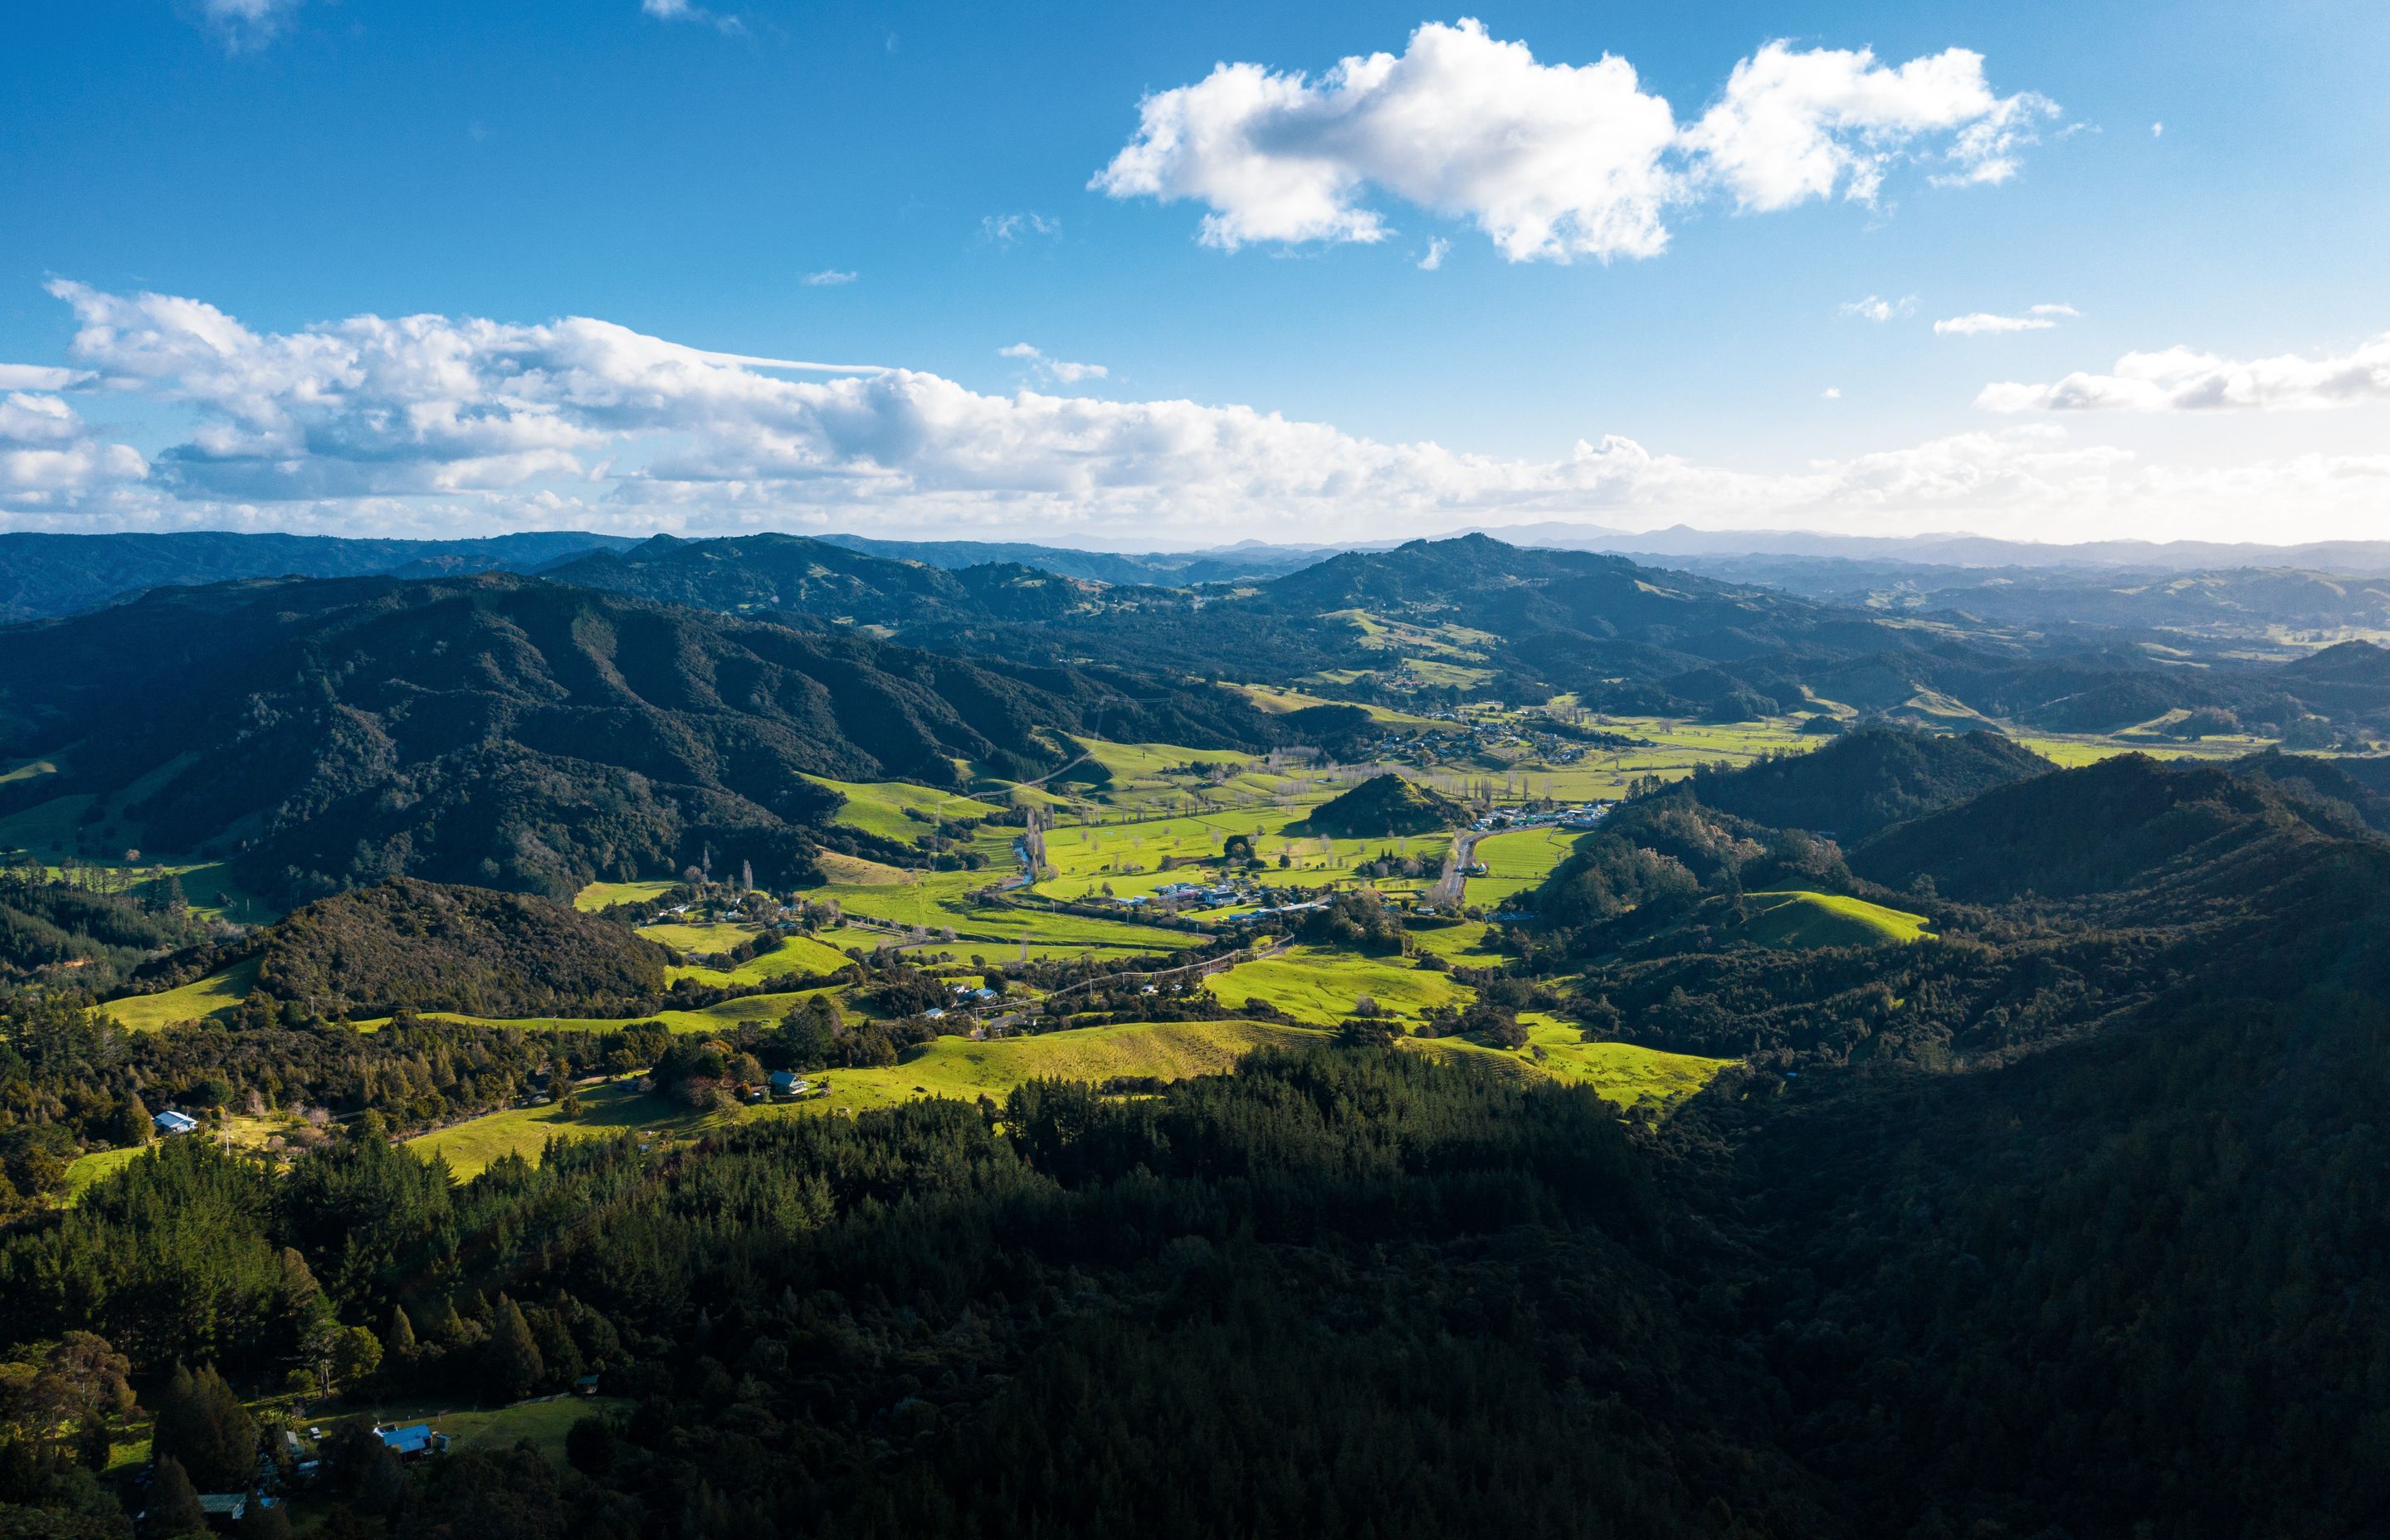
(193, 1001)
(961, 1068)
(544, 1422)
(600, 894)
(854, 871)
(797, 954)
(1463, 942)
(97, 1167)
(1517, 861)
(880, 807)
(1799, 918)
(717, 1018)
(470, 1147)
(1621, 1072)
(1318, 985)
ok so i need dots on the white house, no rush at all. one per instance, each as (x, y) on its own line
(172, 1122)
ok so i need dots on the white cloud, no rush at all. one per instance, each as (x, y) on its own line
(1437, 249)
(244, 24)
(827, 277)
(1880, 310)
(1833, 393)
(2181, 380)
(681, 10)
(1984, 324)
(38, 377)
(2158, 131)
(2054, 310)
(1061, 371)
(1553, 161)
(1006, 229)
(431, 423)
(1798, 124)
(48, 458)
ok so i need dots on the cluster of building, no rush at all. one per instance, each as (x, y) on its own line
(1584, 816)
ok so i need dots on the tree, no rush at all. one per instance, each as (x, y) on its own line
(514, 1362)
(174, 1502)
(338, 1356)
(398, 1344)
(131, 1127)
(590, 1446)
(264, 1523)
(203, 1425)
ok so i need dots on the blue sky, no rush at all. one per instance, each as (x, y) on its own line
(311, 172)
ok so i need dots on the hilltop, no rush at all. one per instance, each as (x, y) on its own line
(409, 945)
(1869, 779)
(1387, 805)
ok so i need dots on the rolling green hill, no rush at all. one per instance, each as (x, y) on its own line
(1798, 919)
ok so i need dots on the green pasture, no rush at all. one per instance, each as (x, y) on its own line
(797, 954)
(471, 1146)
(960, 1068)
(97, 1166)
(1517, 861)
(880, 807)
(1463, 943)
(1621, 1072)
(1798, 919)
(725, 1016)
(1318, 985)
(191, 1002)
(545, 1422)
(597, 895)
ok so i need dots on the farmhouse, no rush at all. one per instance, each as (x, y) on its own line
(172, 1122)
(413, 1440)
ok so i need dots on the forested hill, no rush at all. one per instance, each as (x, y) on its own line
(517, 733)
(405, 945)
(763, 573)
(1869, 779)
(46, 575)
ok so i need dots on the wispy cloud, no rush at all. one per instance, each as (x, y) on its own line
(1006, 229)
(1554, 162)
(245, 24)
(727, 22)
(1437, 249)
(827, 277)
(1984, 324)
(1061, 371)
(1880, 310)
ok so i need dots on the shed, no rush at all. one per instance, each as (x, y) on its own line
(172, 1122)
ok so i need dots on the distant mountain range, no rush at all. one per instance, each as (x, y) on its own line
(44, 575)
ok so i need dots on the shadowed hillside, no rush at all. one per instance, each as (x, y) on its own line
(521, 734)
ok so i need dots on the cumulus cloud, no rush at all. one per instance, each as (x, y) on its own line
(48, 458)
(1832, 392)
(1061, 371)
(1555, 162)
(2183, 380)
(244, 24)
(1984, 324)
(1880, 310)
(1437, 249)
(427, 422)
(1796, 125)
(827, 277)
